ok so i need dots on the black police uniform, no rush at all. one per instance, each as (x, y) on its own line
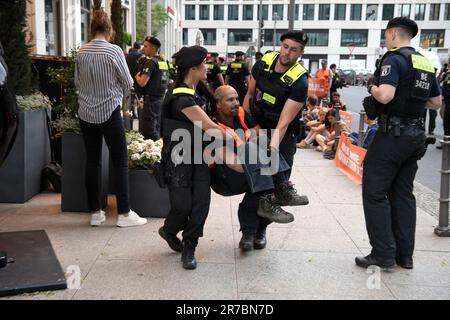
(237, 71)
(390, 164)
(213, 70)
(188, 183)
(153, 92)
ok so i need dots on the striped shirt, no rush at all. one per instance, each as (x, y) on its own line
(102, 78)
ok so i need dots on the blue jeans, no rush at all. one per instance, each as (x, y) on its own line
(114, 133)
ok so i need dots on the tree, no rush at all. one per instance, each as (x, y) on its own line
(13, 31)
(117, 23)
(159, 19)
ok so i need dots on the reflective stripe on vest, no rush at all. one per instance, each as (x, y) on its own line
(162, 65)
(422, 63)
(184, 90)
(238, 141)
(236, 65)
(210, 65)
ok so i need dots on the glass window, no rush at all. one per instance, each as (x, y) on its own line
(420, 11)
(185, 36)
(405, 10)
(435, 9)
(432, 38)
(278, 9)
(189, 12)
(372, 12)
(248, 12)
(308, 12)
(210, 36)
(447, 11)
(265, 10)
(355, 37)
(218, 12)
(235, 36)
(297, 11)
(339, 11)
(355, 11)
(268, 36)
(383, 39)
(324, 12)
(388, 11)
(317, 38)
(233, 12)
(204, 12)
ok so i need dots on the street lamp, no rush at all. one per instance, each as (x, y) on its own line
(275, 18)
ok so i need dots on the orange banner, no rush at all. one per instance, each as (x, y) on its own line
(349, 159)
(346, 117)
(317, 87)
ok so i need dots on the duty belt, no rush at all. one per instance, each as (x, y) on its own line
(395, 124)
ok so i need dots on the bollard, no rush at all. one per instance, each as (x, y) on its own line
(337, 131)
(361, 128)
(443, 229)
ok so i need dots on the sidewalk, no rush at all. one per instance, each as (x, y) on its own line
(311, 258)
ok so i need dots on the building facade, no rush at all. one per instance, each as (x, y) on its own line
(349, 33)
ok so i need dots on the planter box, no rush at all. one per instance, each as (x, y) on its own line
(146, 197)
(73, 193)
(20, 174)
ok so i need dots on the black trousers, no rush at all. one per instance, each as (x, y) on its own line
(241, 90)
(447, 116)
(150, 118)
(432, 120)
(113, 132)
(389, 205)
(190, 206)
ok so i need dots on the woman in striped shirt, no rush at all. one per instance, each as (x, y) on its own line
(102, 78)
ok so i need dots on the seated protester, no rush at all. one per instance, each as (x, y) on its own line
(314, 127)
(368, 136)
(336, 98)
(311, 109)
(325, 133)
(227, 180)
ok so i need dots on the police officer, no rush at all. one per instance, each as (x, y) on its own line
(152, 78)
(405, 84)
(238, 75)
(214, 75)
(223, 66)
(279, 89)
(188, 180)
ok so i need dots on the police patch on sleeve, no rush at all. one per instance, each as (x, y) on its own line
(385, 70)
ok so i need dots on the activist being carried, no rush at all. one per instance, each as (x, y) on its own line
(278, 90)
(404, 85)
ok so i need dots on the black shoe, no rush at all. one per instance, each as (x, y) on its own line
(188, 257)
(246, 243)
(260, 239)
(439, 146)
(405, 262)
(269, 209)
(286, 195)
(370, 260)
(172, 240)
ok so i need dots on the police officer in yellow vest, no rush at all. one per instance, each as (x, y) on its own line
(153, 80)
(238, 75)
(279, 89)
(403, 87)
(214, 74)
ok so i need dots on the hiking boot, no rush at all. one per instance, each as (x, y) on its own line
(260, 239)
(187, 256)
(269, 209)
(286, 195)
(172, 240)
(246, 243)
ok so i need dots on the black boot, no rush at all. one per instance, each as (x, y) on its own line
(187, 256)
(286, 195)
(172, 240)
(268, 208)
(260, 239)
(246, 243)
(371, 260)
(405, 262)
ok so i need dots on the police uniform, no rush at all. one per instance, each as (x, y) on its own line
(390, 164)
(212, 71)
(153, 92)
(237, 72)
(188, 183)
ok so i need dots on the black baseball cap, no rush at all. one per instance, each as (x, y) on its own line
(189, 57)
(214, 54)
(405, 23)
(298, 36)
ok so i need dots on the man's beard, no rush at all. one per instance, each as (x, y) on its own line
(289, 64)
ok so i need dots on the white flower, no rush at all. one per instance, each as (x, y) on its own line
(146, 155)
(135, 156)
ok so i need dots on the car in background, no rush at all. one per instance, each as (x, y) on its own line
(348, 76)
(362, 77)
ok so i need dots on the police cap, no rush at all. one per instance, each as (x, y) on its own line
(298, 36)
(189, 57)
(154, 41)
(239, 53)
(214, 54)
(405, 23)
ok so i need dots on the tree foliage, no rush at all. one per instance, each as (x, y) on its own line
(117, 22)
(159, 19)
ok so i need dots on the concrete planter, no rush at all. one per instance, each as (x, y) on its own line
(73, 193)
(146, 197)
(20, 174)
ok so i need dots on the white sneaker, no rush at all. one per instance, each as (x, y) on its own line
(97, 218)
(132, 220)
